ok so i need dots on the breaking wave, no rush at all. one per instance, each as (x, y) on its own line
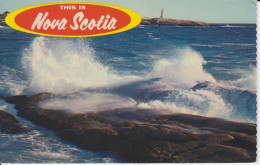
(42, 146)
(66, 66)
(183, 70)
(10, 82)
(62, 65)
(201, 102)
(248, 79)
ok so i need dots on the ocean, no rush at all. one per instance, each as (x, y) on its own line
(208, 71)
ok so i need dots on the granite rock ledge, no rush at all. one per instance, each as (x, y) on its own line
(142, 135)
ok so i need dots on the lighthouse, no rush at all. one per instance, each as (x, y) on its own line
(161, 13)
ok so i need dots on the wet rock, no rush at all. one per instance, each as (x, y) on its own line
(209, 122)
(141, 135)
(8, 123)
(216, 154)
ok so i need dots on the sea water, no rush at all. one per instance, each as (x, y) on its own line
(171, 59)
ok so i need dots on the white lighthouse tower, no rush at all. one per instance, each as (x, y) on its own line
(161, 13)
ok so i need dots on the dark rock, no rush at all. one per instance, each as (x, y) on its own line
(141, 135)
(209, 122)
(216, 153)
(8, 123)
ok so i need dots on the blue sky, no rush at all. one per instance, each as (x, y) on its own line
(211, 11)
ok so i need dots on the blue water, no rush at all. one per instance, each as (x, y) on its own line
(170, 59)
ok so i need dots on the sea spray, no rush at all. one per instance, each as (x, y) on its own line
(243, 101)
(202, 102)
(11, 82)
(183, 70)
(138, 52)
(40, 145)
(248, 79)
(63, 65)
(68, 65)
(88, 102)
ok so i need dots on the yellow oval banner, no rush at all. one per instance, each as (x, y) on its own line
(73, 19)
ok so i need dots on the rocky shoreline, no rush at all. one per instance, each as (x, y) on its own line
(142, 135)
(9, 124)
(171, 22)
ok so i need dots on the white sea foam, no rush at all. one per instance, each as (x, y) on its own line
(223, 44)
(10, 81)
(88, 102)
(248, 79)
(238, 44)
(42, 146)
(3, 107)
(202, 45)
(65, 66)
(3, 27)
(201, 102)
(50, 155)
(181, 71)
(62, 65)
(243, 101)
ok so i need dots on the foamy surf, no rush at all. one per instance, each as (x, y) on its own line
(67, 66)
(88, 102)
(164, 70)
(4, 27)
(10, 82)
(42, 146)
(63, 66)
(205, 103)
(181, 71)
(248, 79)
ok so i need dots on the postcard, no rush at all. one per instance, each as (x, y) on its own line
(128, 81)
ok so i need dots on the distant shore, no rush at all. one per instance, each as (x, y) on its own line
(171, 22)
